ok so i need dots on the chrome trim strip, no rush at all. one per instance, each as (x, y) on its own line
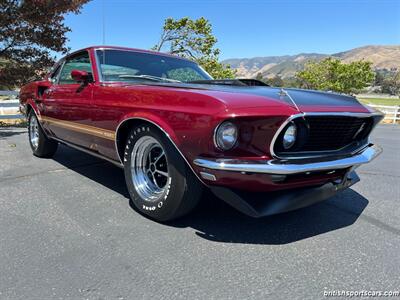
(100, 75)
(283, 125)
(283, 167)
(346, 114)
(166, 134)
(57, 79)
(292, 117)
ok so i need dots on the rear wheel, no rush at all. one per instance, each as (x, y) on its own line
(41, 145)
(160, 183)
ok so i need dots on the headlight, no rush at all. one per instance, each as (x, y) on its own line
(226, 136)
(289, 137)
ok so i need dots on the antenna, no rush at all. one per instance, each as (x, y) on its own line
(104, 30)
(104, 21)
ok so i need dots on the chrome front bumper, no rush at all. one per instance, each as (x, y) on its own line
(286, 167)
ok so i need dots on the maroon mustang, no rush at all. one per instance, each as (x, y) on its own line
(175, 130)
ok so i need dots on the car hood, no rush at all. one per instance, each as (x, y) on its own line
(265, 96)
(300, 99)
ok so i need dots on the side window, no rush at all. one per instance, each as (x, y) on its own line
(80, 61)
(55, 73)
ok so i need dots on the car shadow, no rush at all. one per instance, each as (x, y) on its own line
(216, 221)
(93, 168)
(6, 132)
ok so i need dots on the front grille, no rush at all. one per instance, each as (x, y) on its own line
(333, 133)
(327, 133)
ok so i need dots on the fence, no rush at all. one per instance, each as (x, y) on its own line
(392, 113)
(9, 109)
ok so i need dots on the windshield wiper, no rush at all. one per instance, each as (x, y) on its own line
(148, 77)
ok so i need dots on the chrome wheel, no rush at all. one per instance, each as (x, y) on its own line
(34, 132)
(149, 167)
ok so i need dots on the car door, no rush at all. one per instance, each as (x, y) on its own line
(67, 103)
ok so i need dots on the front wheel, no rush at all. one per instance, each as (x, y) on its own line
(160, 183)
(40, 144)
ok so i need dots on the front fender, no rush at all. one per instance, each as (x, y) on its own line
(154, 119)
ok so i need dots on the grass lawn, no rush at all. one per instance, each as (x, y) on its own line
(14, 123)
(3, 97)
(380, 101)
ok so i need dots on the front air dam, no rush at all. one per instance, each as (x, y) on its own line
(258, 205)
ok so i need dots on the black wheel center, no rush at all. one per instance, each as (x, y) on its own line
(152, 167)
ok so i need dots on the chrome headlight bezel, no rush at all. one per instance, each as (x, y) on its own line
(290, 136)
(226, 136)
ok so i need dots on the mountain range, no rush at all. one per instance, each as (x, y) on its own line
(382, 58)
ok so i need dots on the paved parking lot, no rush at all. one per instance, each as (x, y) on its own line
(67, 230)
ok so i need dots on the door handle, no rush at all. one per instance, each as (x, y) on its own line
(48, 92)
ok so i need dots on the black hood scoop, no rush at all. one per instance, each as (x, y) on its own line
(231, 82)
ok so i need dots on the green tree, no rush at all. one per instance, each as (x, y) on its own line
(331, 74)
(275, 81)
(29, 31)
(193, 39)
(391, 84)
(379, 78)
(291, 82)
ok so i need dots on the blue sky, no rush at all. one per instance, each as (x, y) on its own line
(245, 28)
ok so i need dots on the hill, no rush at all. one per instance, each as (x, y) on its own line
(382, 57)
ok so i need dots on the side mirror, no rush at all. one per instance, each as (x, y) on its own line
(81, 76)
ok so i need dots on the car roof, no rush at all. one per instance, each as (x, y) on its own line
(126, 49)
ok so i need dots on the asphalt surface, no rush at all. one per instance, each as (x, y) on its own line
(67, 231)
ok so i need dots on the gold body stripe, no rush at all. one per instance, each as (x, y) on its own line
(82, 128)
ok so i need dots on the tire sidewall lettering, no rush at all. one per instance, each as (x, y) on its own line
(132, 138)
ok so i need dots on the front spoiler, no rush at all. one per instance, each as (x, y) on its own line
(265, 204)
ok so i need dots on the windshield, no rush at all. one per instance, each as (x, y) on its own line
(121, 65)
